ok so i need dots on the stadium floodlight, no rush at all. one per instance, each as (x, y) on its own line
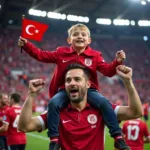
(144, 23)
(81, 19)
(86, 19)
(55, 15)
(35, 12)
(77, 18)
(145, 38)
(132, 22)
(0, 6)
(148, 0)
(63, 16)
(10, 21)
(143, 2)
(121, 22)
(103, 21)
(71, 18)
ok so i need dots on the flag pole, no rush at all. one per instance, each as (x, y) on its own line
(23, 16)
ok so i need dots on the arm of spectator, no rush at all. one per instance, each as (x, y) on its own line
(1, 119)
(134, 108)
(4, 127)
(147, 139)
(26, 122)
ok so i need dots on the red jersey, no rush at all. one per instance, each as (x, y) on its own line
(14, 136)
(135, 131)
(2, 114)
(83, 130)
(63, 56)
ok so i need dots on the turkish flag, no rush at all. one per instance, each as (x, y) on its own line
(33, 30)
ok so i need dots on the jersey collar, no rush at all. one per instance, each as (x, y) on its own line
(70, 108)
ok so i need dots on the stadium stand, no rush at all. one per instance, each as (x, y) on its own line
(18, 68)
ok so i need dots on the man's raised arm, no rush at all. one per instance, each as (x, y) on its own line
(26, 122)
(134, 108)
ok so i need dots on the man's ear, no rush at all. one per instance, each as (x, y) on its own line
(69, 40)
(88, 84)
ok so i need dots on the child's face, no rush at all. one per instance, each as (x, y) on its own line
(79, 38)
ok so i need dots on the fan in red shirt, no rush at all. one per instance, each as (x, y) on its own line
(3, 133)
(145, 108)
(79, 52)
(136, 134)
(81, 126)
(83, 130)
(16, 140)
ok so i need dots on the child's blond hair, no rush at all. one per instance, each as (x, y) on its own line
(79, 25)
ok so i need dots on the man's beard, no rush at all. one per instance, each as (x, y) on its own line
(76, 101)
(3, 103)
(80, 98)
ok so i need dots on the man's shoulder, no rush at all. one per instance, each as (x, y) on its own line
(10, 109)
(125, 123)
(13, 111)
(143, 124)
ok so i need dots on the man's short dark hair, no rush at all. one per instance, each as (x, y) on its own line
(78, 66)
(16, 97)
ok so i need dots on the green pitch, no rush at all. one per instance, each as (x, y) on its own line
(39, 141)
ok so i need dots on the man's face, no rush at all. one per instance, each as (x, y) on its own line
(76, 85)
(79, 38)
(4, 99)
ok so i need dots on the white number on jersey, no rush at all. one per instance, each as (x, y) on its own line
(15, 123)
(130, 135)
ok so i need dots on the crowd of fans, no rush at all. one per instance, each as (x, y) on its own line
(18, 68)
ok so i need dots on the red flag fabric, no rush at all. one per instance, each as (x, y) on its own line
(33, 30)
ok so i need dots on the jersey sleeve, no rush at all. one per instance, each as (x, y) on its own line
(41, 55)
(115, 108)
(43, 120)
(6, 117)
(107, 69)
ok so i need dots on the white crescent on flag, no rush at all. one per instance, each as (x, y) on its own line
(27, 29)
(33, 30)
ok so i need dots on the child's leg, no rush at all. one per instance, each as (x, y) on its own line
(100, 102)
(57, 102)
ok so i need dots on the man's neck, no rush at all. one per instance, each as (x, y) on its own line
(79, 106)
